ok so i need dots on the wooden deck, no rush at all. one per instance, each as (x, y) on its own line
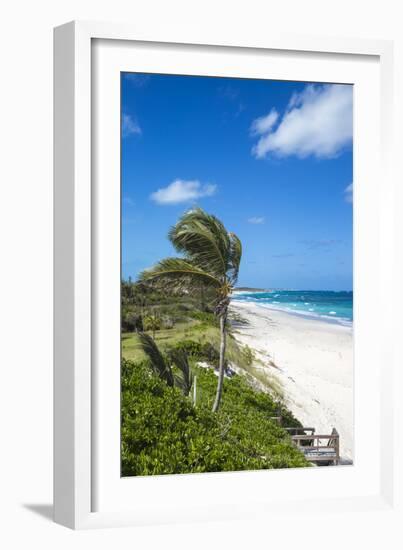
(323, 449)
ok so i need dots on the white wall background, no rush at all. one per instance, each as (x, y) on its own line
(26, 262)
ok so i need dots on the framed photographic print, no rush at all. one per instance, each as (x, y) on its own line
(202, 319)
(217, 280)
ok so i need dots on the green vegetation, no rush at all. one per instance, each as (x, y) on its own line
(178, 345)
(174, 368)
(164, 433)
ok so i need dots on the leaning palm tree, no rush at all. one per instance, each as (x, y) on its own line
(157, 361)
(211, 257)
(184, 380)
(163, 366)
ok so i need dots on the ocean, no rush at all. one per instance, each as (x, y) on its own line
(327, 305)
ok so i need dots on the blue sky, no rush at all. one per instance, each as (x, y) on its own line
(272, 159)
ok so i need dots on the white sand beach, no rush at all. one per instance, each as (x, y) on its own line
(313, 363)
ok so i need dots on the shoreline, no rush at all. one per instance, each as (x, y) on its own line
(311, 359)
(300, 313)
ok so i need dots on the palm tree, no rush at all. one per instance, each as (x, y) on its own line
(184, 381)
(211, 257)
(152, 322)
(162, 366)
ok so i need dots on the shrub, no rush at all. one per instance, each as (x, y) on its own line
(191, 347)
(132, 322)
(152, 322)
(167, 322)
(162, 433)
(206, 318)
(210, 353)
(201, 351)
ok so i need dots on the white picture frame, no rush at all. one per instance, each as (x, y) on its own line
(85, 492)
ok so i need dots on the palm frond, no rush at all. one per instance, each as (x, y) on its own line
(185, 380)
(177, 274)
(235, 257)
(204, 240)
(157, 361)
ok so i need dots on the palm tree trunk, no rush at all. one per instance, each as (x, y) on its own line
(223, 343)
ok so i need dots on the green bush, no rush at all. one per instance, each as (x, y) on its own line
(191, 347)
(210, 354)
(200, 351)
(167, 322)
(206, 318)
(163, 433)
(152, 322)
(132, 322)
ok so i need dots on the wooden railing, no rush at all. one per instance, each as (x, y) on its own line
(311, 444)
(313, 448)
(295, 430)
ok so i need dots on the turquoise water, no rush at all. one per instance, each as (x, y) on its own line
(326, 305)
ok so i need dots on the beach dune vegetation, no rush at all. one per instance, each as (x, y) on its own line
(164, 433)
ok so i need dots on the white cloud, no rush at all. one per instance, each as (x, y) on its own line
(318, 121)
(129, 126)
(348, 193)
(183, 191)
(265, 123)
(256, 220)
